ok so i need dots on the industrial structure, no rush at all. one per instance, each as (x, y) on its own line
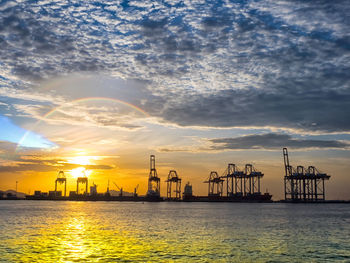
(303, 184)
(239, 183)
(93, 189)
(120, 189)
(215, 184)
(61, 179)
(188, 193)
(82, 180)
(241, 186)
(135, 190)
(173, 178)
(242, 183)
(153, 180)
(107, 192)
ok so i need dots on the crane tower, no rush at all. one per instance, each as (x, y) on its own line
(153, 179)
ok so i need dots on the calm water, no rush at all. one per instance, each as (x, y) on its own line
(44, 231)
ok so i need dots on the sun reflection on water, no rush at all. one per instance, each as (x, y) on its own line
(79, 233)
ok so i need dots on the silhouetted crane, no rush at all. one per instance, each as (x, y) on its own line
(303, 184)
(135, 190)
(120, 189)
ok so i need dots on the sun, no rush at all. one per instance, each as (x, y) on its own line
(80, 172)
(81, 160)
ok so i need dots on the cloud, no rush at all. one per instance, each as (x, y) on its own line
(316, 110)
(205, 63)
(171, 148)
(45, 166)
(94, 112)
(39, 163)
(273, 141)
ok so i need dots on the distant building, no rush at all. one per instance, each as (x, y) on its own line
(9, 195)
(55, 193)
(93, 189)
(188, 191)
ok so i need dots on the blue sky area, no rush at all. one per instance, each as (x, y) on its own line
(13, 133)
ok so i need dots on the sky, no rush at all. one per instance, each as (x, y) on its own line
(100, 86)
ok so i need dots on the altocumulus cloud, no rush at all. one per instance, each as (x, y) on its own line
(273, 141)
(282, 64)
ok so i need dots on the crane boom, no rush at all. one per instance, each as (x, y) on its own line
(117, 186)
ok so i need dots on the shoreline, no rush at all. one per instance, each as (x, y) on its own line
(144, 199)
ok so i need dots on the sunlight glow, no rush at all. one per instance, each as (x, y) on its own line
(82, 160)
(80, 172)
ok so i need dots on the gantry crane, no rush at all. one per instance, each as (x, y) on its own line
(173, 178)
(303, 184)
(61, 179)
(82, 180)
(215, 184)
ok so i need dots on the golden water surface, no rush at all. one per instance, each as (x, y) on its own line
(63, 231)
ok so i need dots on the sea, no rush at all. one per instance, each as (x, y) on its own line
(67, 231)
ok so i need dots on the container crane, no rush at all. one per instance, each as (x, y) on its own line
(120, 189)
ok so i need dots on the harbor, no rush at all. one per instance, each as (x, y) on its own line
(301, 185)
